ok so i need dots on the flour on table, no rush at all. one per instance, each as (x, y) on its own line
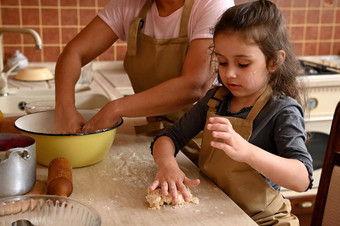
(156, 200)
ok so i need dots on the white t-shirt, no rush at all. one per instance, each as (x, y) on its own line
(203, 17)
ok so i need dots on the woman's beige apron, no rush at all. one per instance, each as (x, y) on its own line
(244, 185)
(150, 61)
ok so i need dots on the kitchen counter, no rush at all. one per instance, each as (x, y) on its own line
(116, 187)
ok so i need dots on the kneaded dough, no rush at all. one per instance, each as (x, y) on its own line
(156, 200)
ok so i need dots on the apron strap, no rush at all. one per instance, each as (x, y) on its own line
(136, 24)
(263, 99)
(216, 100)
(222, 92)
(183, 32)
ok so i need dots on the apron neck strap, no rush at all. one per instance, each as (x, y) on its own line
(222, 92)
(183, 32)
(219, 96)
(145, 9)
(136, 24)
(261, 101)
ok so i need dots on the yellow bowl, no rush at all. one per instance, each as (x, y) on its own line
(81, 149)
(34, 74)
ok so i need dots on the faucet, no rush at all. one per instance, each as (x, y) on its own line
(3, 75)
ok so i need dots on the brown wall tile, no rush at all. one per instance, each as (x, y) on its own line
(296, 33)
(326, 32)
(30, 2)
(9, 2)
(311, 48)
(68, 34)
(87, 3)
(324, 48)
(313, 16)
(10, 16)
(50, 36)
(312, 33)
(314, 3)
(314, 28)
(49, 17)
(69, 17)
(86, 15)
(298, 48)
(327, 16)
(68, 2)
(51, 53)
(298, 16)
(33, 55)
(49, 3)
(30, 17)
(9, 39)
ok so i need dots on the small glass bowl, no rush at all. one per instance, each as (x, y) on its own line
(46, 210)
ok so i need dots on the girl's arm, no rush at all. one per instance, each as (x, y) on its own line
(290, 173)
(170, 177)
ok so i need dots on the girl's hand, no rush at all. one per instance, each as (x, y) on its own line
(234, 145)
(170, 178)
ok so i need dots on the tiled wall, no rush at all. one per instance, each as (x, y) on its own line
(314, 26)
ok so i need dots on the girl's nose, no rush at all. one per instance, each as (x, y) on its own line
(229, 72)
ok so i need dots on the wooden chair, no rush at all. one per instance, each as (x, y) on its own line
(327, 204)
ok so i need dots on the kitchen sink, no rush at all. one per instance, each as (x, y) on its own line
(15, 103)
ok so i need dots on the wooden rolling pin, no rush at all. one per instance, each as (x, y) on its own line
(60, 177)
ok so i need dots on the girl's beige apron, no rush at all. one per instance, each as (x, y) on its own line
(150, 61)
(244, 185)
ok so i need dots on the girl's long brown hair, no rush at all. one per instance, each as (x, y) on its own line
(261, 23)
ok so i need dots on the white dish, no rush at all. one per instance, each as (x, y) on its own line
(34, 74)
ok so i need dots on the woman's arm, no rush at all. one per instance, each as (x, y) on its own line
(167, 97)
(94, 39)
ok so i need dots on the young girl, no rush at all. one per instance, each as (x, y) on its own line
(254, 133)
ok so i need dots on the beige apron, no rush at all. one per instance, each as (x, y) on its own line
(150, 61)
(244, 185)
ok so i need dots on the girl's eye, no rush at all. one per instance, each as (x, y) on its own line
(243, 65)
(222, 63)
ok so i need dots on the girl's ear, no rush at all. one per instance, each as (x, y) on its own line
(273, 65)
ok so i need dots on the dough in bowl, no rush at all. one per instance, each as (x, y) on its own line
(156, 200)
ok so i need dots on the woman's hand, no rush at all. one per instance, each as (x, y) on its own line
(104, 119)
(233, 144)
(170, 178)
(68, 120)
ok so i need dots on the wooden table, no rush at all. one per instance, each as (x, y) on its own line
(116, 188)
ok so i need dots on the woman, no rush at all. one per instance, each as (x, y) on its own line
(167, 59)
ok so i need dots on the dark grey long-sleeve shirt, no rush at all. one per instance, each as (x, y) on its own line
(279, 128)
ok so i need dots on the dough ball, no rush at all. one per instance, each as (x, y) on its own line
(156, 200)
